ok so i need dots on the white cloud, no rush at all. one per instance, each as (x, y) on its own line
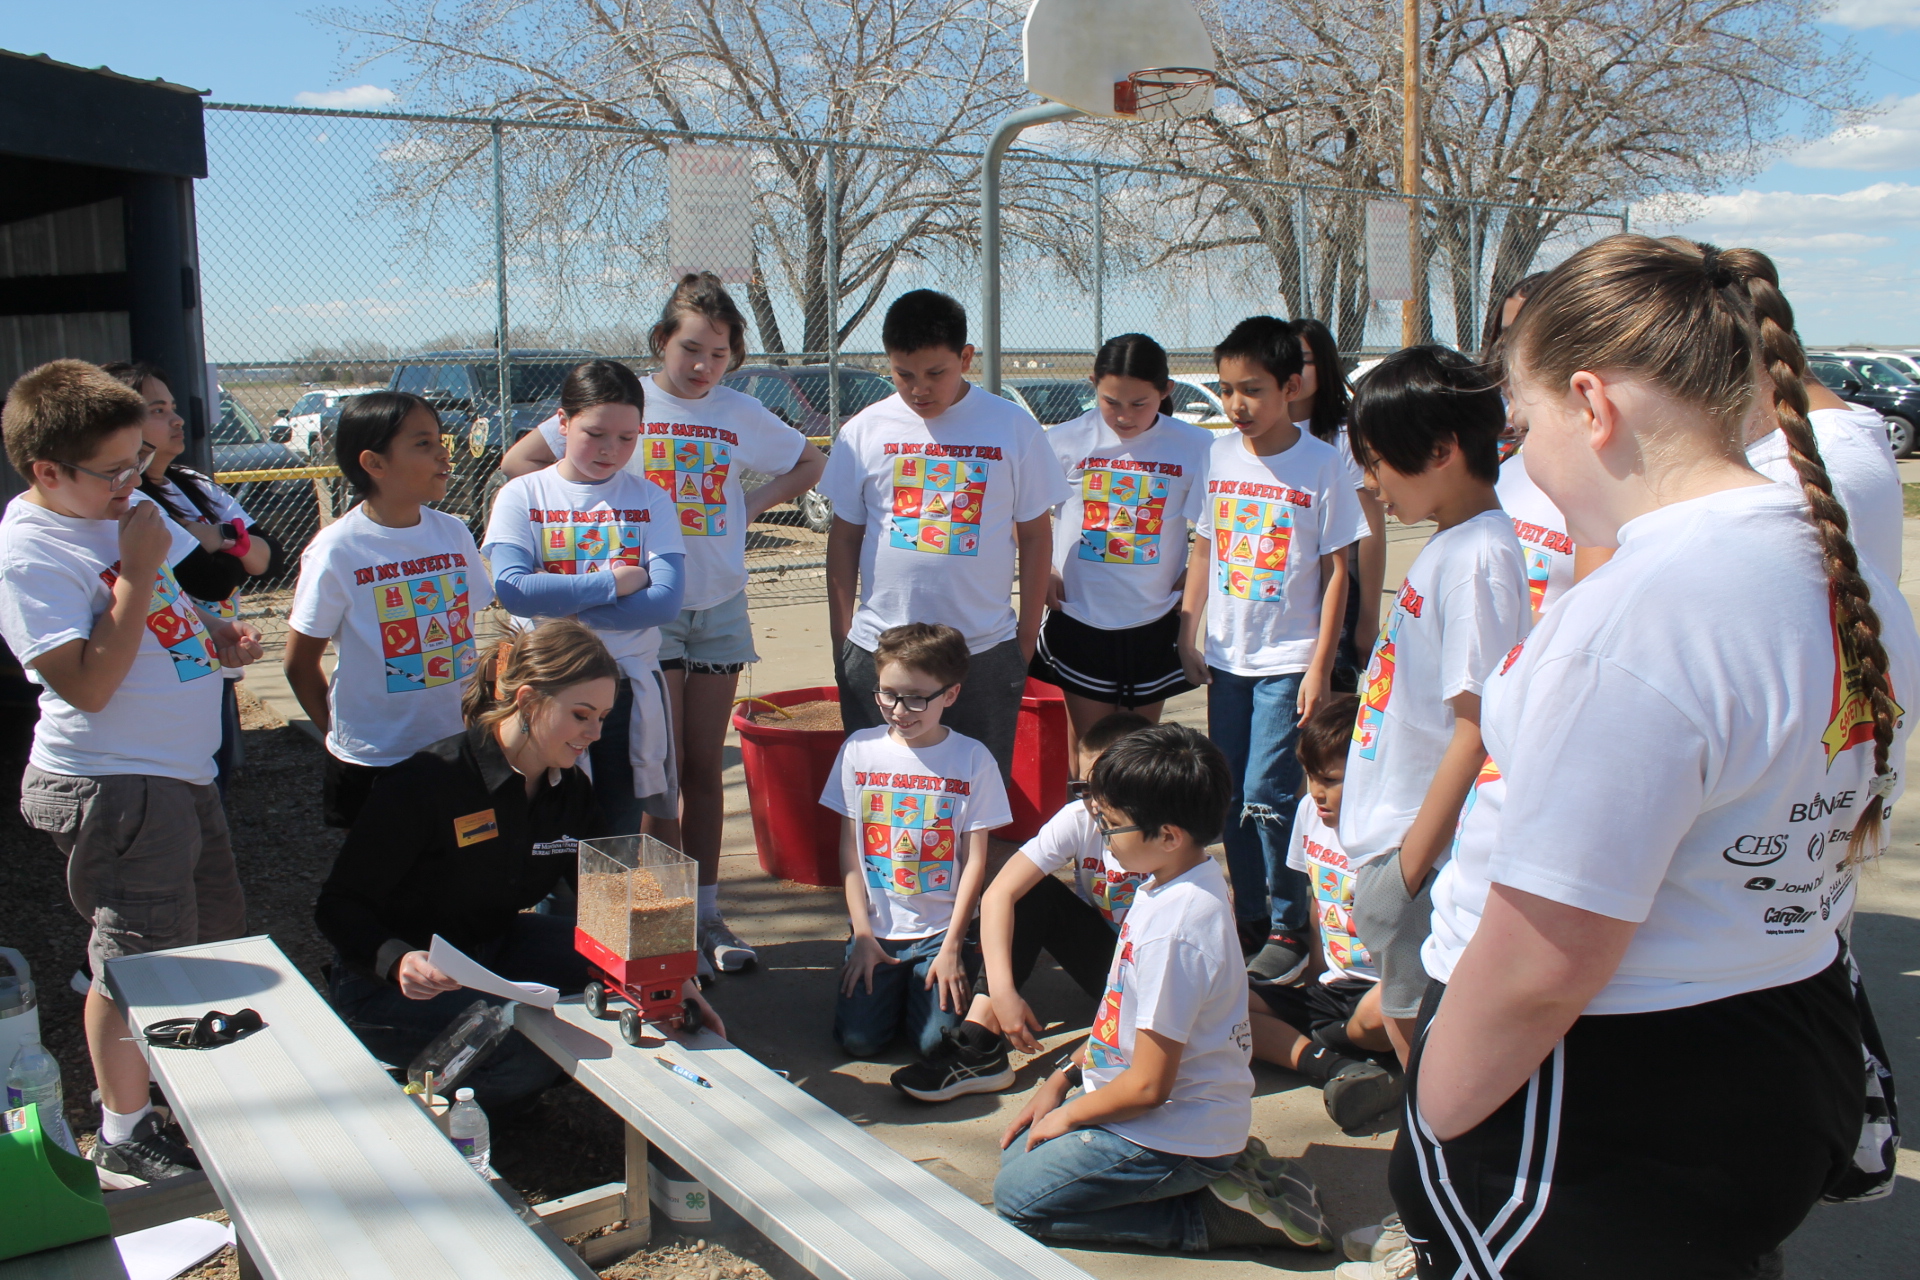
(362, 97)
(1863, 14)
(1888, 140)
(1792, 220)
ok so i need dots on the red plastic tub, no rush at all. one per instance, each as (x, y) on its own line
(798, 838)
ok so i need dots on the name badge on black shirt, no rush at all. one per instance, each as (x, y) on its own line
(475, 827)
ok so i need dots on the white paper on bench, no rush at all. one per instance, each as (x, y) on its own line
(361, 1158)
(163, 1252)
(473, 975)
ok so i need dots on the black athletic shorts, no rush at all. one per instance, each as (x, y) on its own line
(1675, 1145)
(1309, 1006)
(1133, 667)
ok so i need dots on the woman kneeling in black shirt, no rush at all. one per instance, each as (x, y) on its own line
(459, 840)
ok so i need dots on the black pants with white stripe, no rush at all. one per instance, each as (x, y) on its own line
(1683, 1144)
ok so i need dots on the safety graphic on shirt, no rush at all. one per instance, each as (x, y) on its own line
(172, 621)
(907, 841)
(1333, 907)
(1377, 689)
(1103, 1045)
(425, 631)
(1121, 513)
(693, 473)
(1250, 541)
(588, 547)
(1851, 721)
(1538, 564)
(1112, 891)
(937, 504)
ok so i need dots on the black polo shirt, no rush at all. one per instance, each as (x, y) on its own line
(449, 843)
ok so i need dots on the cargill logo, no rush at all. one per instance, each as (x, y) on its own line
(1787, 915)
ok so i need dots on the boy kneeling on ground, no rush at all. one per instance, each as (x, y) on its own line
(1162, 1157)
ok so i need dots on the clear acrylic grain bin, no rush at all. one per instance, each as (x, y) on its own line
(637, 897)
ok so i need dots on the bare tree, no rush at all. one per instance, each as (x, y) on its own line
(926, 73)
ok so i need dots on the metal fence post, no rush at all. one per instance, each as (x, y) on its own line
(1302, 305)
(500, 293)
(1099, 264)
(1003, 136)
(831, 215)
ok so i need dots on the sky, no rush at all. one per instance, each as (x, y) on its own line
(1840, 213)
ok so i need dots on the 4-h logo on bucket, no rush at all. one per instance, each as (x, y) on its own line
(907, 841)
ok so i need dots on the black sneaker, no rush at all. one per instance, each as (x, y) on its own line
(1361, 1094)
(149, 1154)
(953, 1070)
(1282, 960)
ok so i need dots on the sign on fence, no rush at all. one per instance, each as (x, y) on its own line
(1389, 252)
(710, 210)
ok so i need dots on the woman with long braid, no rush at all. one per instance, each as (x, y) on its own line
(1690, 757)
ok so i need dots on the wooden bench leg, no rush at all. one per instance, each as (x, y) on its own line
(601, 1250)
(249, 1269)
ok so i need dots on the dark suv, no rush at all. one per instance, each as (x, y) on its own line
(465, 387)
(1868, 382)
(798, 396)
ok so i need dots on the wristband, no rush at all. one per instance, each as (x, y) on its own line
(242, 540)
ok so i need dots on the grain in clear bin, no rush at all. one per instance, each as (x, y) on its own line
(637, 896)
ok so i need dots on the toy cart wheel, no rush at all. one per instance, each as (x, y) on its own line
(631, 1028)
(595, 998)
(690, 1016)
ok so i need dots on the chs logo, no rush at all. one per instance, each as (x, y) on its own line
(1756, 851)
(1787, 915)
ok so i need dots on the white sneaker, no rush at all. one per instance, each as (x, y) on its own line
(730, 955)
(1397, 1266)
(1376, 1243)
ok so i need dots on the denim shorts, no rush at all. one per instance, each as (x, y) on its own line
(716, 641)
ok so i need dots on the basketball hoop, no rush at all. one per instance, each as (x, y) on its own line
(1161, 93)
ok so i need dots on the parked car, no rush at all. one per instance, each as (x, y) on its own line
(799, 396)
(1197, 400)
(1877, 386)
(465, 387)
(298, 425)
(1901, 362)
(286, 511)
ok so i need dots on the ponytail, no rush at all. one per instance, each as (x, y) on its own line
(1135, 355)
(553, 656)
(1862, 657)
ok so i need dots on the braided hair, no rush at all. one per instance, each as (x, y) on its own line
(1702, 325)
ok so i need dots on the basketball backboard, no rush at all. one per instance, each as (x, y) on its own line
(1080, 53)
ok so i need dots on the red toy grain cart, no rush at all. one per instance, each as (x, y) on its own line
(636, 928)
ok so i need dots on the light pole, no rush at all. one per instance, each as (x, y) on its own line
(1003, 136)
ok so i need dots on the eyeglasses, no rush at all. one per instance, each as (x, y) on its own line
(1108, 832)
(1079, 789)
(116, 479)
(913, 702)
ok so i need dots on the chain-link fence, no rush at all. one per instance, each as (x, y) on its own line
(475, 261)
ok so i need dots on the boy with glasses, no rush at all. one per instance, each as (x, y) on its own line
(121, 772)
(918, 799)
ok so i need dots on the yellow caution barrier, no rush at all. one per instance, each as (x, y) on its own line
(277, 473)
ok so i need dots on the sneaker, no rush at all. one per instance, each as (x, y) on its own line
(1276, 1193)
(730, 955)
(953, 1070)
(148, 1154)
(1375, 1243)
(1253, 934)
(1361, 1094)
(1282, 960)
(703, 967)
(1399, 1265)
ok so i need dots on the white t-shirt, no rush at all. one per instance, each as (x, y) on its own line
(1342, 445)
(1120, 542)
(398, 605)
(1177, 972)
(1853, 443)
(588, 528)
(1315, 849)
(1264, 524)
(56, 580)
(1542, 531)
(225, 510)
(939, 499)
(1462, 606)
(914, 808)
(1679, 749)
(1072, 838)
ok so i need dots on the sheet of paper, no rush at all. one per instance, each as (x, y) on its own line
(470, 973)
(163, 1252)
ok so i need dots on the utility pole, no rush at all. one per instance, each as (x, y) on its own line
(1410, 166)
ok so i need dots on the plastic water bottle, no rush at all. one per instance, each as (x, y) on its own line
(463, 1046)
(34, 1077)
(467, 1126)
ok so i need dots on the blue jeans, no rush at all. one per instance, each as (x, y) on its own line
(620, 809)
(1093, 1186)
(535, 948)
(1254, 720)
(864, 1023)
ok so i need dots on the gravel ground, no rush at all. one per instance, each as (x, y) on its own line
(567, 1143)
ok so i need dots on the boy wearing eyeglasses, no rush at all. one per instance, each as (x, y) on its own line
(918, 800)
(121, 773)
